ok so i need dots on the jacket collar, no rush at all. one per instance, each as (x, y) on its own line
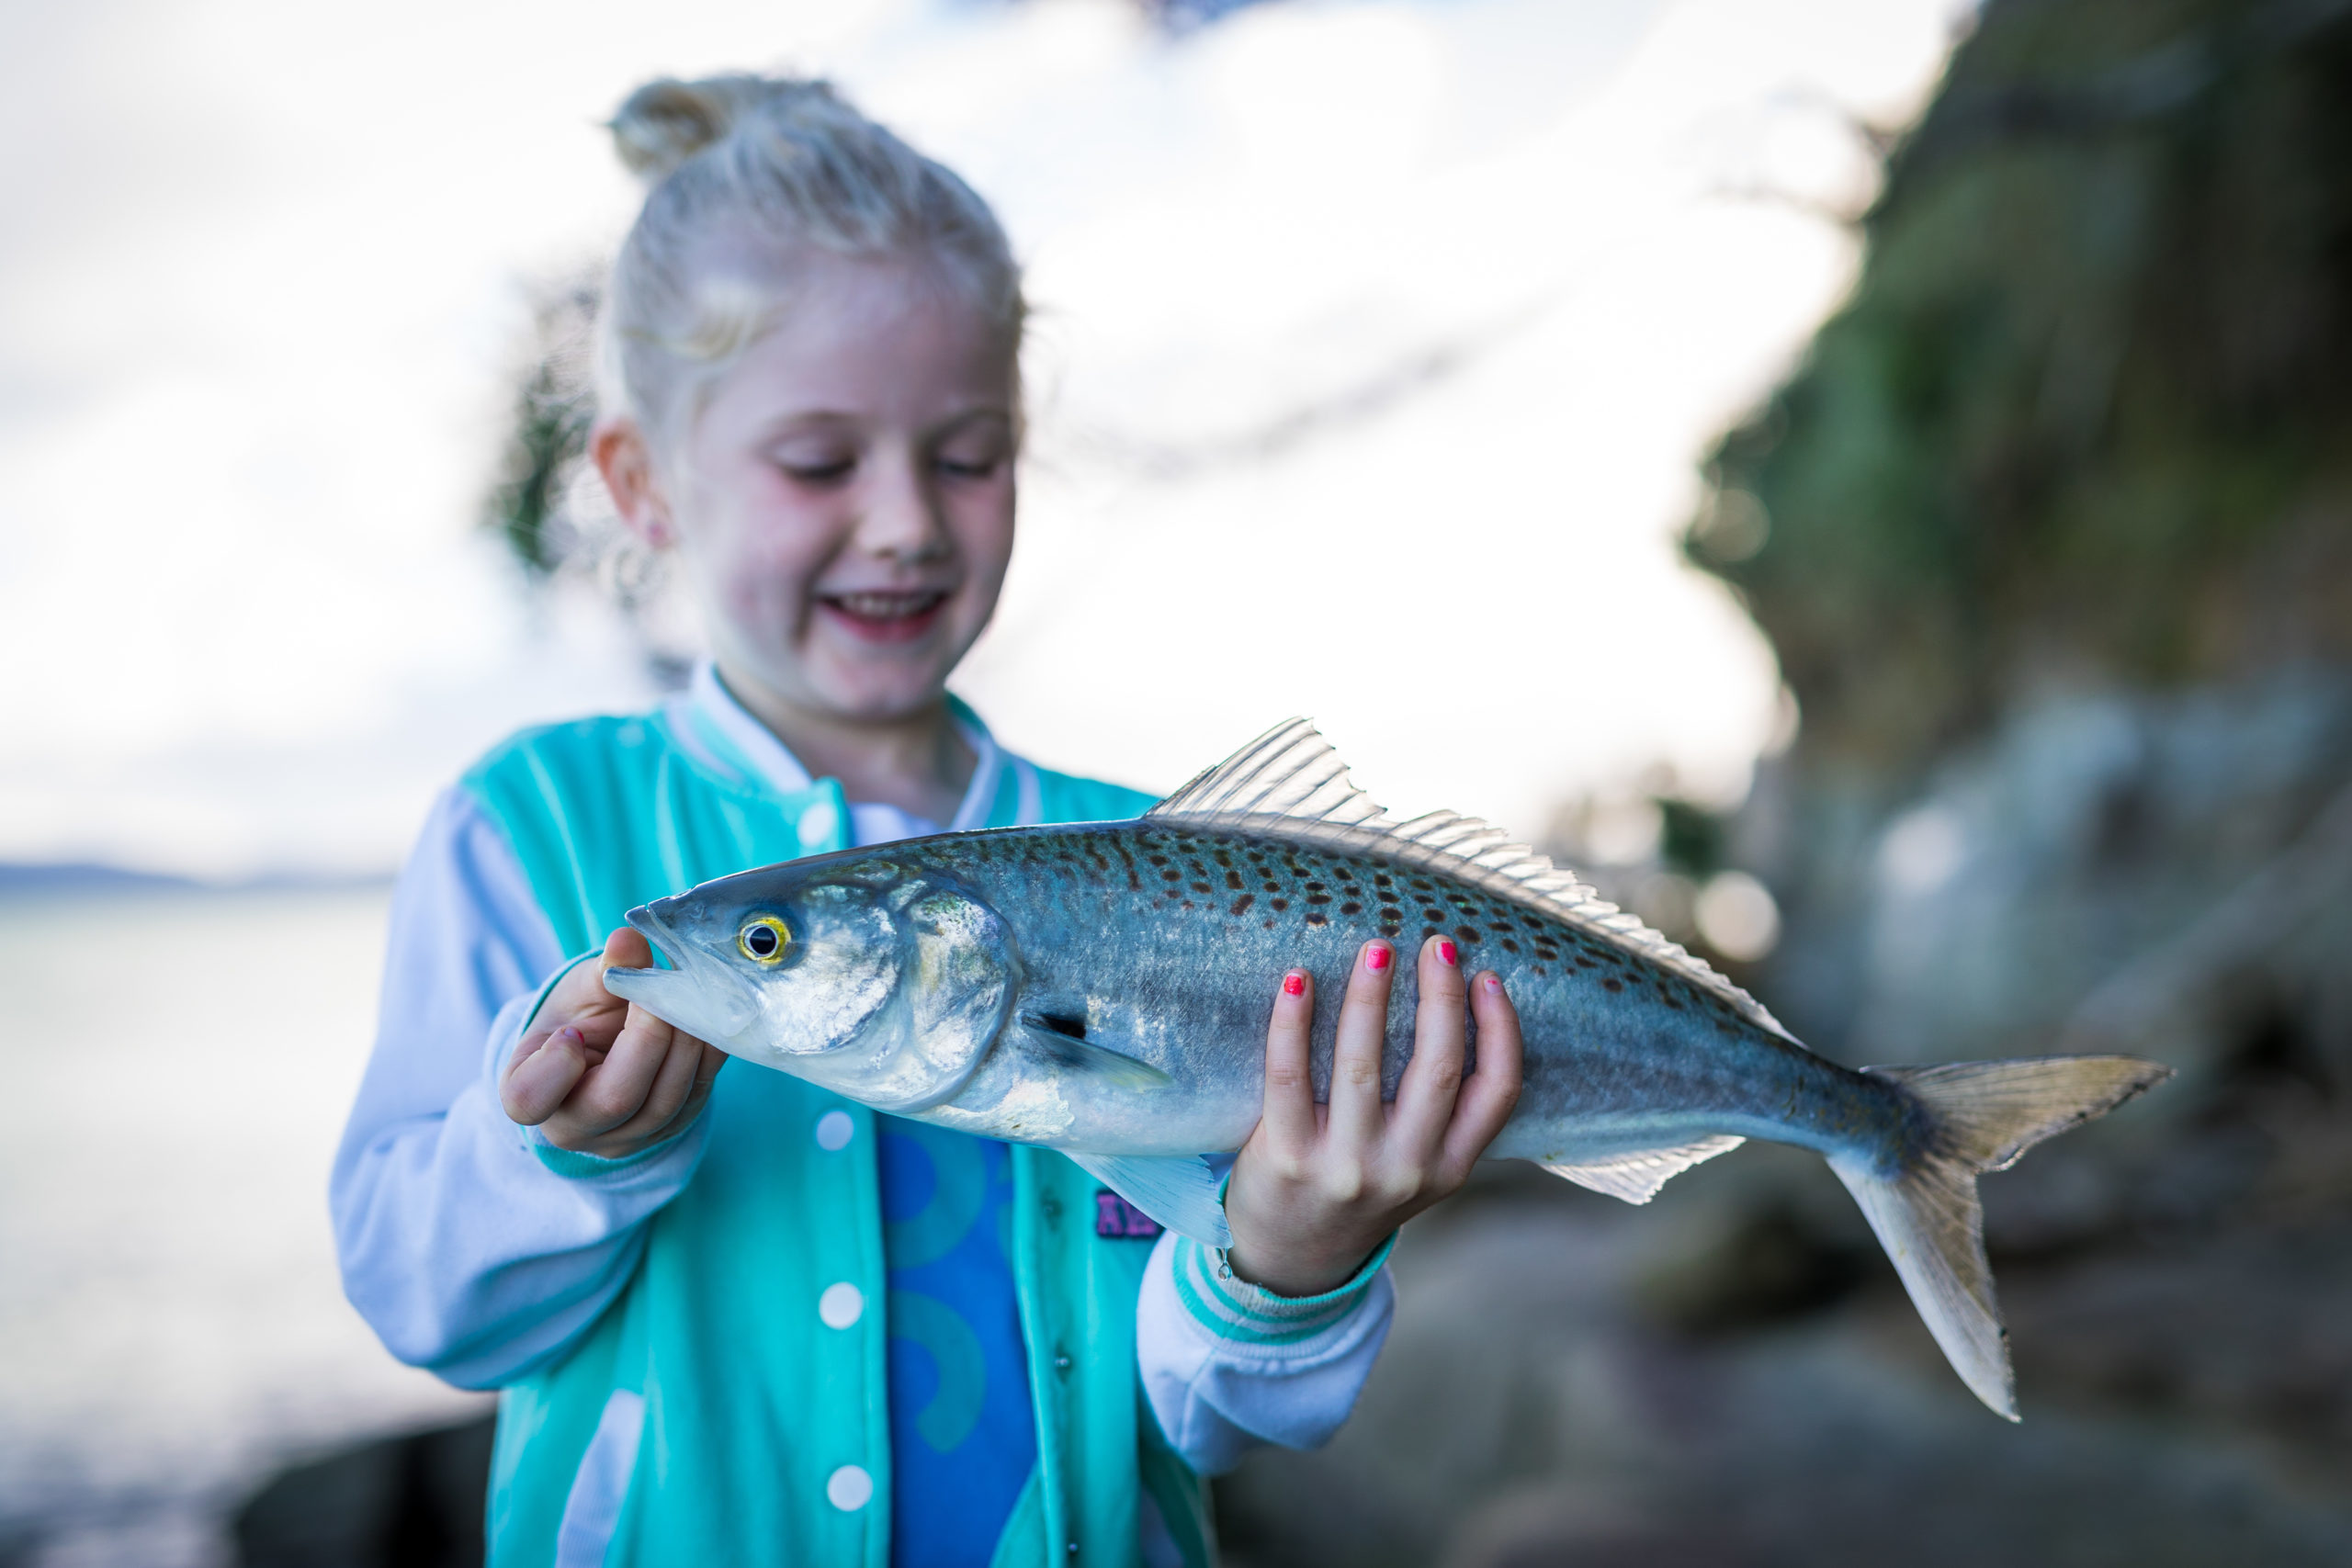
(734, 740)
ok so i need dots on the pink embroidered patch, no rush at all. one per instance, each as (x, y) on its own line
(1120, 1220)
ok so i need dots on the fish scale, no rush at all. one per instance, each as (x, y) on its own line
(1103, 990)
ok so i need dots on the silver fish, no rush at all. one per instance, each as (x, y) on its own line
(1102, 989)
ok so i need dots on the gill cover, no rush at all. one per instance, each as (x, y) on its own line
(954, 988)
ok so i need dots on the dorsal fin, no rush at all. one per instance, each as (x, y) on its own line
(1290, 784)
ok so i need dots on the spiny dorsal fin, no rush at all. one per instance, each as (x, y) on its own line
(1290, 784)
(1290, 771)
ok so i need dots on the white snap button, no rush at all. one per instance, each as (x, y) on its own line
(849, 1489)
(834, 1130)
(841, 1305)
(817, 824)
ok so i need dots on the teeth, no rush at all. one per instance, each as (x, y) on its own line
(887, 606)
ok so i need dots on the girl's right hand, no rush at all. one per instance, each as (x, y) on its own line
(600, 1076)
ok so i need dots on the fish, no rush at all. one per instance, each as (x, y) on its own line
(1103, 990)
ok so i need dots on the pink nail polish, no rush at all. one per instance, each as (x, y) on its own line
(1446, 954)
(1494, 985)
(1375, 957)
(1293, 984)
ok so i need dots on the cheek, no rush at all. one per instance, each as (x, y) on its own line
(982, 522)
(757, 561)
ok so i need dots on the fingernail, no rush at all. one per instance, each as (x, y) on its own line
(1445, 952)
(1375, 956)
(570, 1033)
(1293, 984)
(1494, 985)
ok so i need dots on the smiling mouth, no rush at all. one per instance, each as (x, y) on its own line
(887, 617)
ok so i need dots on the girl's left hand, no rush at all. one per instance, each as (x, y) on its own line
(1317, 1187)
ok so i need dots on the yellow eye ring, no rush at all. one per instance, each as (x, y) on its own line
(763, 940)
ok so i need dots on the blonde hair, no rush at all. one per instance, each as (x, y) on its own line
(743, 174)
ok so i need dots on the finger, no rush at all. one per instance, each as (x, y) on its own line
(1425, 1099)
(705, 1075)
(1356, 1121)
(1489, 1094)
(1288, 1120)
(616, 1089)
(538, 1078)
(672, 1082)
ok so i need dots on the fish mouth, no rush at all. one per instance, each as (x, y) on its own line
(704, 998)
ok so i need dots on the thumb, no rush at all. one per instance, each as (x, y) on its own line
(626, 949)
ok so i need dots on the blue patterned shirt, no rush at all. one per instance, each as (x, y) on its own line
(963, 1436)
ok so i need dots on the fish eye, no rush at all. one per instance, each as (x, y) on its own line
(763, 939)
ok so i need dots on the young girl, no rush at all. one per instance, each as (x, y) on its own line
(738, 1320)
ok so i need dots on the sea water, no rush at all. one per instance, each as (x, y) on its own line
(175, 1068)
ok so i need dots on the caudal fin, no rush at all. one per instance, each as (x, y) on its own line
(1982, 1116)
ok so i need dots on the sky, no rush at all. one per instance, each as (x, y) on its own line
(1376, 347)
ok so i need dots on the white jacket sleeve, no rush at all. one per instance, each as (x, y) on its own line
(1227, 1365)
(473, 1248)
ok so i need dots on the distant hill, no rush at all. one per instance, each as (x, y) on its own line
(19, 880)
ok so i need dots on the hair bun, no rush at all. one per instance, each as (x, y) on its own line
(667, 121)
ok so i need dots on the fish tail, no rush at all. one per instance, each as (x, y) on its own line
(1981, 1116)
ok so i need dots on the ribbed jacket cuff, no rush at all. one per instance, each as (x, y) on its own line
(1233, 1309)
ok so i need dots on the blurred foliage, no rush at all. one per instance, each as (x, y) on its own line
(2088, 415)
(1691, 837)
(554, 405)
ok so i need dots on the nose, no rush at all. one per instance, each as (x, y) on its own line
(900, 521)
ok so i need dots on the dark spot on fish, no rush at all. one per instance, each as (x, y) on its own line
(1233, 880)
(1318, 898)
(1270, 925)
(1059, 1023)
(1382, 879)
(1314, 887)
(1584, 963)
(1241, 904)
(1669, 1001)
(1187, 903)
(1429, 932)
(1278, 905)
(1465, 935)
(1200, 888)
(1314, 917)
(1612, 983)
(1172, 874)
(1509, 946)
(1159, 859)
(1352, 908)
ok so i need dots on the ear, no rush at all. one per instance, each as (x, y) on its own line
(618, 448)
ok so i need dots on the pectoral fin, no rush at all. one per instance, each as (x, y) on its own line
(1636, 1175)
(1053, 1039)
(1180, 1192)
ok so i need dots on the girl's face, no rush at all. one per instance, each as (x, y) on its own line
(844, 502)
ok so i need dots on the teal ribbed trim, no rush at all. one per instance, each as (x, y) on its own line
(1232, 1308)
(578, 1167)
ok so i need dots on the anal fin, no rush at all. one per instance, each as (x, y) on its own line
(1179, 1191)
(1636, 1175)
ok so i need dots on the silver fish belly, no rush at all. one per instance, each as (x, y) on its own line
(1103, 990)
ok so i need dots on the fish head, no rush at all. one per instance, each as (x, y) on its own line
(871, 977)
